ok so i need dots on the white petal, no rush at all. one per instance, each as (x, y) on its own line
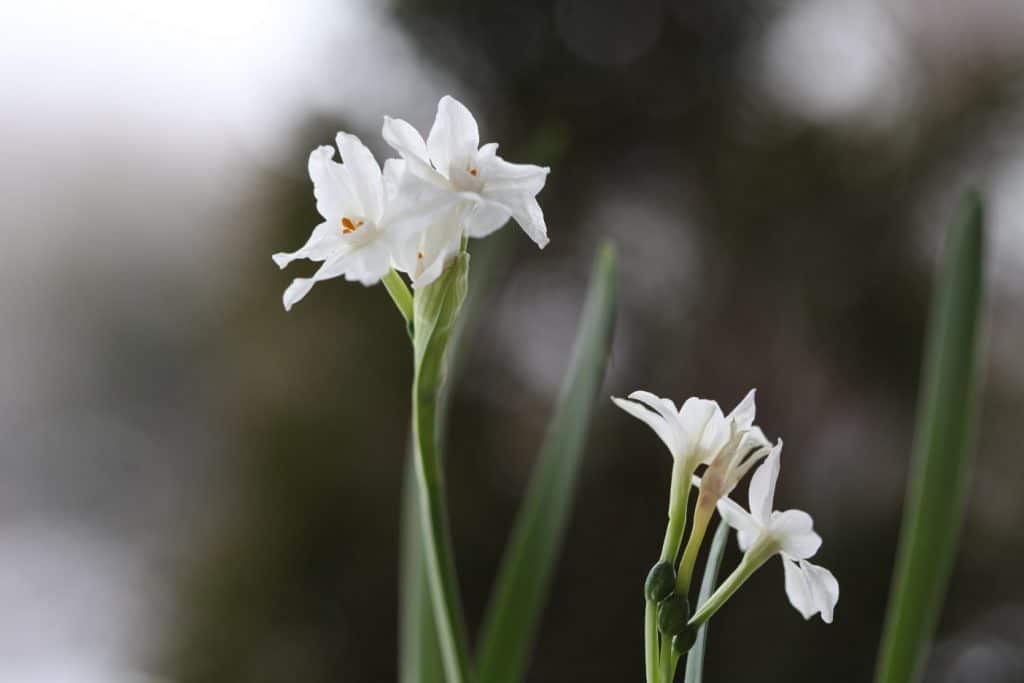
(742, 415)
(653, 420)
(695, 414)
(794, 530)
(325, 239)
(753, 448)
(365, 176)
(414, 205)
(755, 438)
(502, 177)
(530, 218)
(762, 488)
(454, 137)
(824, 589)
(296, 291)
(798, 589)
(735, 516)
(407, 141)
(368, 263)
(486, 217)
(423, 254)
(703, 425)
(360, 258)
(330, 184)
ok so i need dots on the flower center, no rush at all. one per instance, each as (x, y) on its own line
(473, 172)
(348, 226)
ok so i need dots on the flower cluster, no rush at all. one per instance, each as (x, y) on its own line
(414, 214)
(699, 434)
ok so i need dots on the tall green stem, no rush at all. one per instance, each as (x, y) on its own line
(651, 642)
(437, 543)
(750, 563)
(701, 516)
(436, 308)
(679, 497)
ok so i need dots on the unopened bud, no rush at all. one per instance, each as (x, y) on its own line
(682, 643)
(673, 614)
(661, 582)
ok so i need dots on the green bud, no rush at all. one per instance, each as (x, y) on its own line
(661, 582)
(682, 643)
(673, 614)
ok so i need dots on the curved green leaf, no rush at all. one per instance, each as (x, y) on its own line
(520, 592)
(937, 488)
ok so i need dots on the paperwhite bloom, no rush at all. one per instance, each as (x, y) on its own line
(694, 434)
(367, 216)
(764, 532)
(744, 448)
(485, 189)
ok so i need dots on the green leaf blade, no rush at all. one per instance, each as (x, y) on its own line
(937, 488)
(511, 621)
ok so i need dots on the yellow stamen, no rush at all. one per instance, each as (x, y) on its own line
(349, 226)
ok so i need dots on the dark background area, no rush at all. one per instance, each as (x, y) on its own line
(196, 486)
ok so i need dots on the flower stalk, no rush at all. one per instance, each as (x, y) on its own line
(750, 563)
(435, 310)
(702, 514)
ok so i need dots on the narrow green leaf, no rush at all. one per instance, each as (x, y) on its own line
(695, 658)
(511, 621)
(937, 488)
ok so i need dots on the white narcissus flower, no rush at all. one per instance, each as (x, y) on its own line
(764, 532)
(485, 189)
(368, 215)
(693, 434)
(744, 448)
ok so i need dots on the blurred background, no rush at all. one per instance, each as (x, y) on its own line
(196, 486)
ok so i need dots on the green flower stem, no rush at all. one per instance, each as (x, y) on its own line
(667, 667)
(651, 641)
(400, 294)
(679, 496)
(702, 513)
(750, 563)
(436, 309)
(437, 544)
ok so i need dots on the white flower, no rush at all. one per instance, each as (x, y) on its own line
(368, 215)
(744, 448)
(485, 189)
(694, 434)
(764, 532)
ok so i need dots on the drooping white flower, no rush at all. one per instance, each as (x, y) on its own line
(693, 434)
(368, 215)
(745, 446)
(485, 189)
(764, 532)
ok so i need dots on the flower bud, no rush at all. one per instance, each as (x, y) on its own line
(673, 614)
(661, 582)
(682, 643)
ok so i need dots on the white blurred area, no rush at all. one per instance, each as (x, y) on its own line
(131, 134)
